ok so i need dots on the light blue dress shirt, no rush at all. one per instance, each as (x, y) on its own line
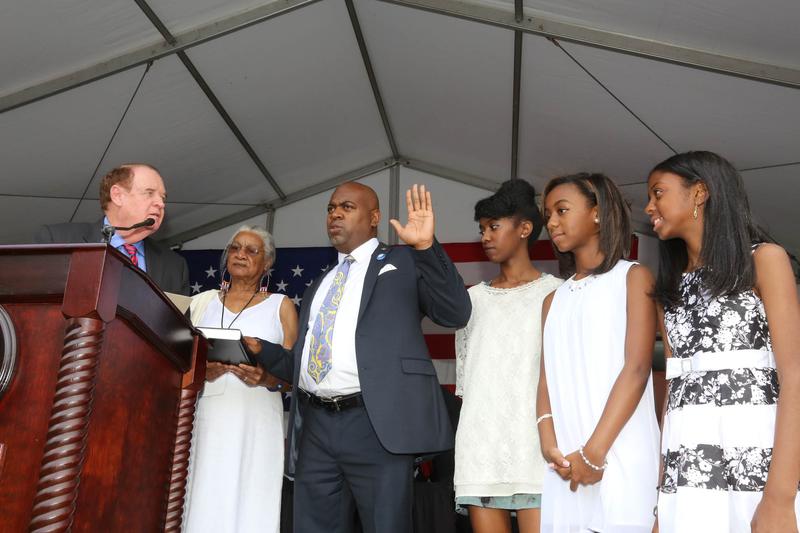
(117, 242)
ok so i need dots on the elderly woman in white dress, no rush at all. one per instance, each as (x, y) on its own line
(236, 466)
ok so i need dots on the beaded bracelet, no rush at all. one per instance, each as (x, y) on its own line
(589, 464)
(548, 415)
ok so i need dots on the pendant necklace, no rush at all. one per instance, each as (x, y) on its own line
(222, 315)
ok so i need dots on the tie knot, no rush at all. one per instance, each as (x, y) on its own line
(349, 259)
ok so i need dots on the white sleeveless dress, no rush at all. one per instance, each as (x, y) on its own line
(584, 352)
(236, 464)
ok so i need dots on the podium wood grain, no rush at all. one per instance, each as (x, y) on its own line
(96, 423)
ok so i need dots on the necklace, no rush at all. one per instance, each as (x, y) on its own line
(222, 315)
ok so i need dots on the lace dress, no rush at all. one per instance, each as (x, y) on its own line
(497, 368)
(720, 420)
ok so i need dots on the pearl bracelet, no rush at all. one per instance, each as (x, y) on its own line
(589, 464)
(548, 415)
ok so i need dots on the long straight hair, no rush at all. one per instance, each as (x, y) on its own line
(729, 231)
(613, 212)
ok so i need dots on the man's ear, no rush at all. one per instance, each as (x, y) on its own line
(116, 193)
(375, 218)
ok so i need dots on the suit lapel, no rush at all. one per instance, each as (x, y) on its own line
(372, 276)
(151, 258)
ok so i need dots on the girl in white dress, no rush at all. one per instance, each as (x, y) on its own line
(236, 464)
(731, 438)
(497, 365)
(596, 414)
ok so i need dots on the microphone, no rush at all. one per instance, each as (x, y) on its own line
(109, 230)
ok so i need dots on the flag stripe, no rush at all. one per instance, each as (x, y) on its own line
(463, 252)
(441, 345)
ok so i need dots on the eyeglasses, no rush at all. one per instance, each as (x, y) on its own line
(235, 248)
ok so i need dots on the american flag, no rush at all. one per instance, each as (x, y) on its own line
(296, 268)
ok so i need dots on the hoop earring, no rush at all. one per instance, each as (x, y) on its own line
(264, 288)
(694, 213)
(225, 284)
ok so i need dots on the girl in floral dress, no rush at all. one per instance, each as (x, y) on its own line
(731, 438)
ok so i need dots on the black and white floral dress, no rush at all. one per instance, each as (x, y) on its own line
(720, 421)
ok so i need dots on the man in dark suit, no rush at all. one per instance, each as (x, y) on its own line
(367, 399)
(130, 194)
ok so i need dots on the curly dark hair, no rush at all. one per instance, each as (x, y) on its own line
(515, 199)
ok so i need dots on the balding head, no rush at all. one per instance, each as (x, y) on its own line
(353, 216)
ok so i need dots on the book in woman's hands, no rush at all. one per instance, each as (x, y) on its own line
(226, 346)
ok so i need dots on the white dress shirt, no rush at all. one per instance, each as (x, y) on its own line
(342, 378)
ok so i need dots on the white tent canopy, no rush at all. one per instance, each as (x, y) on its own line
(248, 106)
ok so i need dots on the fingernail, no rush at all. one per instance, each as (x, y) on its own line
(566, 463)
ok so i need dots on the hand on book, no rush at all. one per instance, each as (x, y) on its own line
(215, 370)
(252, 376)
(252, 344)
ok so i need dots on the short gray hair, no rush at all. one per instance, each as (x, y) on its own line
(263, 234)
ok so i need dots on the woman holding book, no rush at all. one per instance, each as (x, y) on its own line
(236, 466)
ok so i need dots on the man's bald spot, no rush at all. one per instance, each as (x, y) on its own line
(134, 166)
(364, 193)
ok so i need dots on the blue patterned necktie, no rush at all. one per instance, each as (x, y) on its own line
(319, 352)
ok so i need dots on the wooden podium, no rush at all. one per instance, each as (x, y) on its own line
(99, 374)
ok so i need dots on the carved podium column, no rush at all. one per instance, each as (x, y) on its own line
(64, 450)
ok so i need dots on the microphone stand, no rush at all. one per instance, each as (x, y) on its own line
(109, 230)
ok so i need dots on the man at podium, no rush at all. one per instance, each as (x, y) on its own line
(133, 199)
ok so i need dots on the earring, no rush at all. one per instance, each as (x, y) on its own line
(264, 288)
(694, 213)
(596, 220)
(522, 236)
(224, 284)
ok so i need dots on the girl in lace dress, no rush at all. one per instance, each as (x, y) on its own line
(595, 399)
(498, 467)
(731, 439)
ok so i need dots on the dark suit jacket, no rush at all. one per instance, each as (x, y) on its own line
(167, 269)
(401, 392)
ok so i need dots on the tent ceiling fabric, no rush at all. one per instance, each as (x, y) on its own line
(184, 15)
(463, 73)
(310, 114)
(44, 40)
(758, 31)
(52, 147)
(752, 123)
(569, 124)
(297, 89)
(171, 126)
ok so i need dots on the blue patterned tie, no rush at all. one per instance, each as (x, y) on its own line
(319, 352)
